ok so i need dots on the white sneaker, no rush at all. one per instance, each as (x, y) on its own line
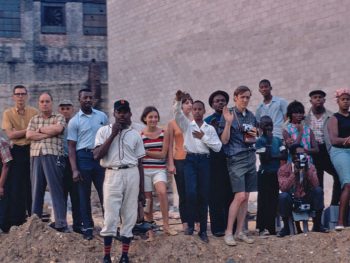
(229, 240)
(244, 238)
(339, 228)
(264, 234)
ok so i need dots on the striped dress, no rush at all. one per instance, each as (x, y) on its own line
(156, 145)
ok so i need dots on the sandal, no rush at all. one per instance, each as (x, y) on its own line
(169, 232)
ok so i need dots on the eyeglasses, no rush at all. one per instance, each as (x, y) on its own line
(20, 94)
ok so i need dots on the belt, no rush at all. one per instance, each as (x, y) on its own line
(86, 150)
(127, 166)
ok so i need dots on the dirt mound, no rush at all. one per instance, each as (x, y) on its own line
(313, 247)
(36, 242)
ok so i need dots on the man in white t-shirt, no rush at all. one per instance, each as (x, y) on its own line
(120, 149)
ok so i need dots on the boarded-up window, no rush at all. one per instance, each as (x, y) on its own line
(53, 18)
(10, 18)
(95, 17)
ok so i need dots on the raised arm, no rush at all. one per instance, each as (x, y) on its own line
(228, 116)
(102, 148)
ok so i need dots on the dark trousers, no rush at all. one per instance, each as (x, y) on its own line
(267, 201)
(220, 195)
(197, 177)
(314, 197)
(91, 172)
(48, 170)
(323, 164)
(181, 189)
(71, 188)
(19, 185)
(4, 208)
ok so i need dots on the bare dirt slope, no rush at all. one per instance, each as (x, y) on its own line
(36, 242)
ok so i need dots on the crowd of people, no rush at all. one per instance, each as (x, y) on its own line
(213, 161)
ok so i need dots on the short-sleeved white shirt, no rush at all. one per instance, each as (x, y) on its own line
(126, 148)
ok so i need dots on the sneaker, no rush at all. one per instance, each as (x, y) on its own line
(339, 228)
(229, 240)
(264, 234)
(244, 238)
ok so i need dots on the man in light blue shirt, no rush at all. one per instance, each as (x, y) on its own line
(82, 129)
(272, 106)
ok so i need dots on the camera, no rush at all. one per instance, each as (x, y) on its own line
(302, 159)
(300, 207)
(247, 127)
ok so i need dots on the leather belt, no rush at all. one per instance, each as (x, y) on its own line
(127, 166)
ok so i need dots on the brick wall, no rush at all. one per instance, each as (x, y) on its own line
(58, 63)
(156, 47)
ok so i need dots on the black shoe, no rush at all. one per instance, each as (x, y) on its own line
(77, 229)
(87, 235)
(284, 232)
(204, 237)
(219, 234)
(124, 259)
(142, 228)
(64, 229)
(107, 259)
(189, 231)
(320, 229)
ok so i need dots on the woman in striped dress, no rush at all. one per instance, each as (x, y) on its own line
(156, 142)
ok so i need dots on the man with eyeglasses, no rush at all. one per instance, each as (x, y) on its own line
(14, 122)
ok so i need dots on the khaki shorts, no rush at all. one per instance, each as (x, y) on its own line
(152, 177)
(242, 172)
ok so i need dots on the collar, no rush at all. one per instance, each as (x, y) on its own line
(244, 113)
(17, 109)
(82, 113)
(53, 114)
(274, 99)
(194, 124)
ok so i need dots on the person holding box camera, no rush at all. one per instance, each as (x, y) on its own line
(300, 190)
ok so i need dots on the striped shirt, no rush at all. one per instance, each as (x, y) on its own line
(154, 145)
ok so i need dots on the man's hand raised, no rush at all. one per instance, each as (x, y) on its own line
(228, 115)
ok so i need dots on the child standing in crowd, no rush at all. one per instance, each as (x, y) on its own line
(271, 150)
(199, 137)
(156, 143)
(6, 158)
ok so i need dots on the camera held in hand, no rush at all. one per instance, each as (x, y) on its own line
(302, 160)
(299, 206)
(247, 127)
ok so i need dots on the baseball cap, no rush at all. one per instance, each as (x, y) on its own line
(121, 104)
